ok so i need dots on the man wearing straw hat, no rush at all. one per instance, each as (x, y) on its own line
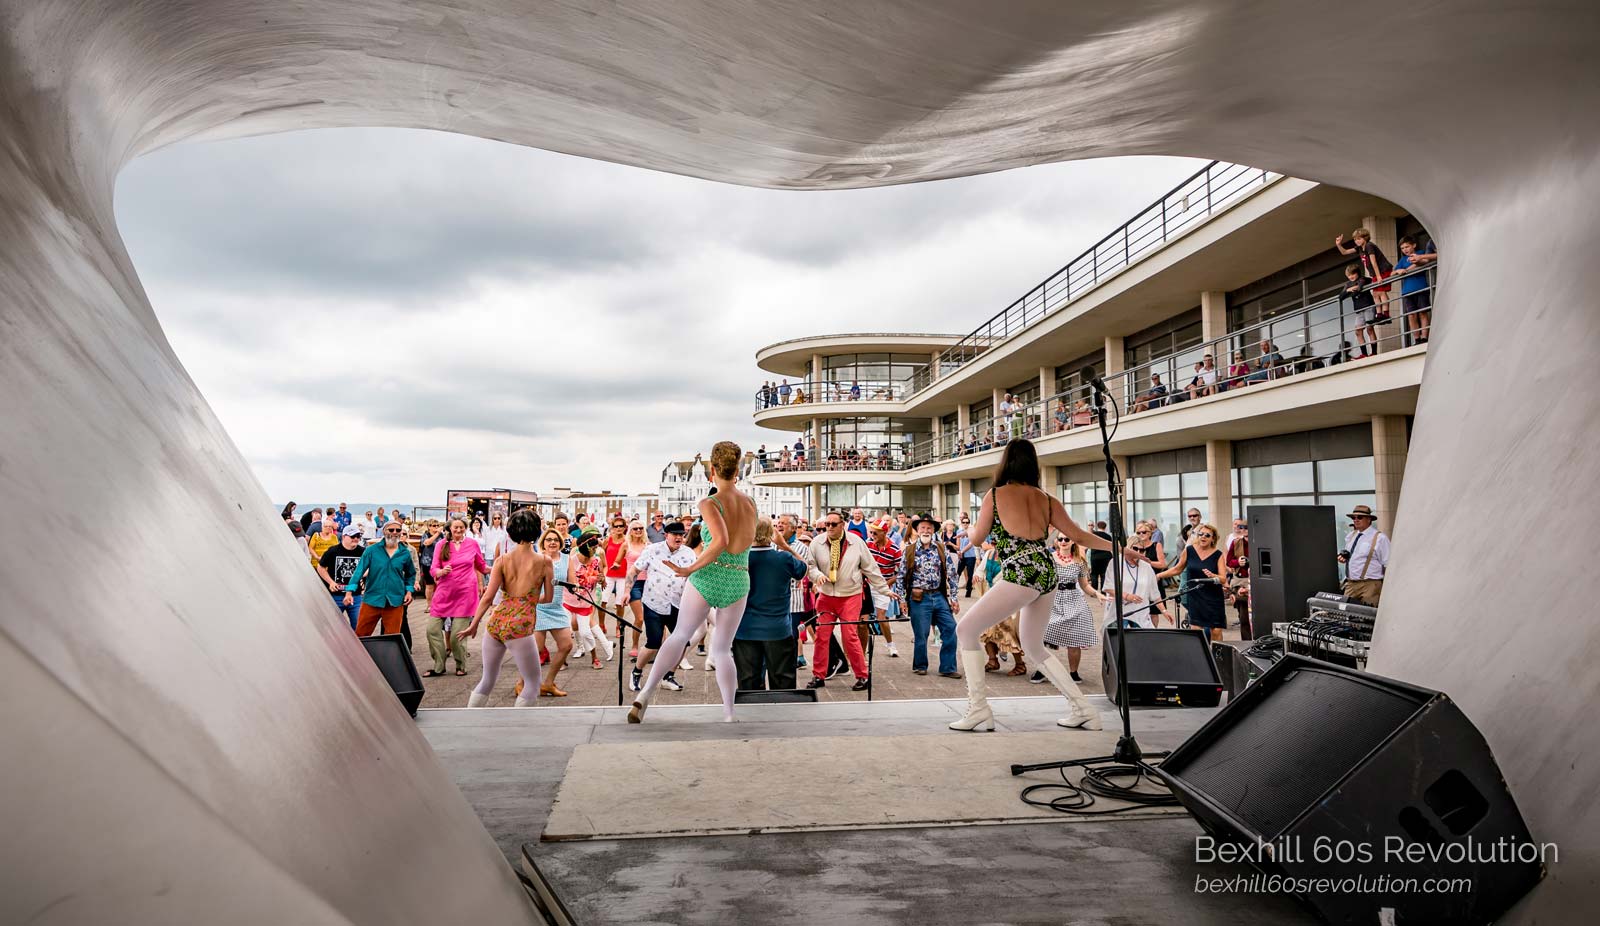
(1365, 557)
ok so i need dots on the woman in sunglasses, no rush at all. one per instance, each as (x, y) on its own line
(1207, 575)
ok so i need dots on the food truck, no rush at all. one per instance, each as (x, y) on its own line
(486, 503)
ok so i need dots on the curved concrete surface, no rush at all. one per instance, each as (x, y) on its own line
(286, 749)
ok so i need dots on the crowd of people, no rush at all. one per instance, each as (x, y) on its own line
(772, 395)
(799, 595)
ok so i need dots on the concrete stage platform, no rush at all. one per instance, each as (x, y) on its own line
(511, 763)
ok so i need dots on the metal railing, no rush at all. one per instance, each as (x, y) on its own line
(1327, 333)
(1214, 186)
(809, 391)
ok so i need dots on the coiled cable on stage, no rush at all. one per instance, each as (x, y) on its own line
(1115, 781)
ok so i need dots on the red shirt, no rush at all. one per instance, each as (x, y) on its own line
(616, 559)
(887, 557)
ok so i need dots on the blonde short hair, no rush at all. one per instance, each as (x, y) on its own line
(1361, 233)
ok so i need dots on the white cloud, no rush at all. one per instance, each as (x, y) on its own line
(387, 314)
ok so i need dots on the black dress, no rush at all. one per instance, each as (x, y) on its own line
(1204, 598)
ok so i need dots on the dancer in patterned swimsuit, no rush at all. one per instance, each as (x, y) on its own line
(1017, 515)
(719, 578)
(526, 578)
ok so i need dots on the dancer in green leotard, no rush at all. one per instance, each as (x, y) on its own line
(719, 578)
(1025, 583)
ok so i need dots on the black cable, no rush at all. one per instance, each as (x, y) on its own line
(1102, 780)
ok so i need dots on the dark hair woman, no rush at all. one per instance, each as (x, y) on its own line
(1017, 516)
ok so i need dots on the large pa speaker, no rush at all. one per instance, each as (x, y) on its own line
(1293, 556)
(1164, 667)
(1237, 667)
(1369, 785)
(393, 658)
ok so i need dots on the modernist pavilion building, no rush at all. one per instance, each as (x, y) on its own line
(1232, 257)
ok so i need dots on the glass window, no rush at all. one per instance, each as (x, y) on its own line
(1352, 475)
(1157, 486)
(839, 496)
(1280, 478)
(1086, 502)
(1196, 485)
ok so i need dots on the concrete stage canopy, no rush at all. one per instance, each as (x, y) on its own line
(213, 766)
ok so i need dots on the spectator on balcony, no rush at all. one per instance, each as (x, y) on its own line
(1082, 414)
(783, 393)
(1416, 300)
(1375, 268)
(883, 457)
(1033, 428)
(1001, 434)
(988, 440)
(1008, 405)
(764, 397)
(1267, 363)
(1063, 419)
(1238, 371)
(1307, 361)
(1356, 299)
(799, 396)
(1205, 378)
(1154, 397)
(855, 392)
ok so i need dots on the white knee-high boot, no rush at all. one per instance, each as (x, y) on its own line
(477, 700)
(979, 713)
(1083, 716)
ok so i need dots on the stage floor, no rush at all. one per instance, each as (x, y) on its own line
(510, 764)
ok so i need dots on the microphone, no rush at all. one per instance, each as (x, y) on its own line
(1089, 376)
(569, 586)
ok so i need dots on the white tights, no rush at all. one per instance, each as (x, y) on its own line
(692, 613)
(593, 639)
(526, 654)
(1002, 600)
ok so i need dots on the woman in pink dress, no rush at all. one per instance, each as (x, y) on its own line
(457, 563)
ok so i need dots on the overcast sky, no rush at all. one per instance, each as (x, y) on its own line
(382, 314)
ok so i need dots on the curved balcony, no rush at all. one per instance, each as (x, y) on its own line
(807, 399)
(1166, 403)
(793, 357)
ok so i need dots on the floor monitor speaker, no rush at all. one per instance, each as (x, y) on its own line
(1164, 667)
(1293, 556)
(393, 658)
(1369, 786)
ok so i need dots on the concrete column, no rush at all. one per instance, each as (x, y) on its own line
(1048, 479)
(1219, 481)
(1385, 234)
(816, 371)
(1389, 448)
(997, 396)
(1047, 383)
(1213, 318)
(1114, 354)
(966, 497)
(939, 446)
(938, 500)
(816, 434)
(933, 363)
(814, 510)
(1127, 509)
(963, 419)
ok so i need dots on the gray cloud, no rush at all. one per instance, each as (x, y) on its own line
(428, 310)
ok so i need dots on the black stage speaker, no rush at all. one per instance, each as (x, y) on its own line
(1323, 772)
(393, 658)
(1293, 555)
(1164, 667)
(1237, 668)
(775, 696)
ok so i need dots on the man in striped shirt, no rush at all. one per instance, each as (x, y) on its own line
(886, 553)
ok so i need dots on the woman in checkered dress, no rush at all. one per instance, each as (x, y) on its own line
(1071, 625)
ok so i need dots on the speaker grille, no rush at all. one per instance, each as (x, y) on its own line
(1282, 757)
(1167, 656)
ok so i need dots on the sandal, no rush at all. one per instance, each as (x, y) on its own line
(993, 665)
(1018, 669)
(597, 663)
(433, 673)
(461, 672)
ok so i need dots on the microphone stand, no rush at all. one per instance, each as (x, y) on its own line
(1127, 758)
(583, 595)
(857, 623)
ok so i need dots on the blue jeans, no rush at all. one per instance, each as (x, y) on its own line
(351, 611)
(933, 607)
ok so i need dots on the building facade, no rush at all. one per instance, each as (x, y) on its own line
(684, 483)
(1236, 264)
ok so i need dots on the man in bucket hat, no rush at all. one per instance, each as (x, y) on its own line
(1365, 556)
